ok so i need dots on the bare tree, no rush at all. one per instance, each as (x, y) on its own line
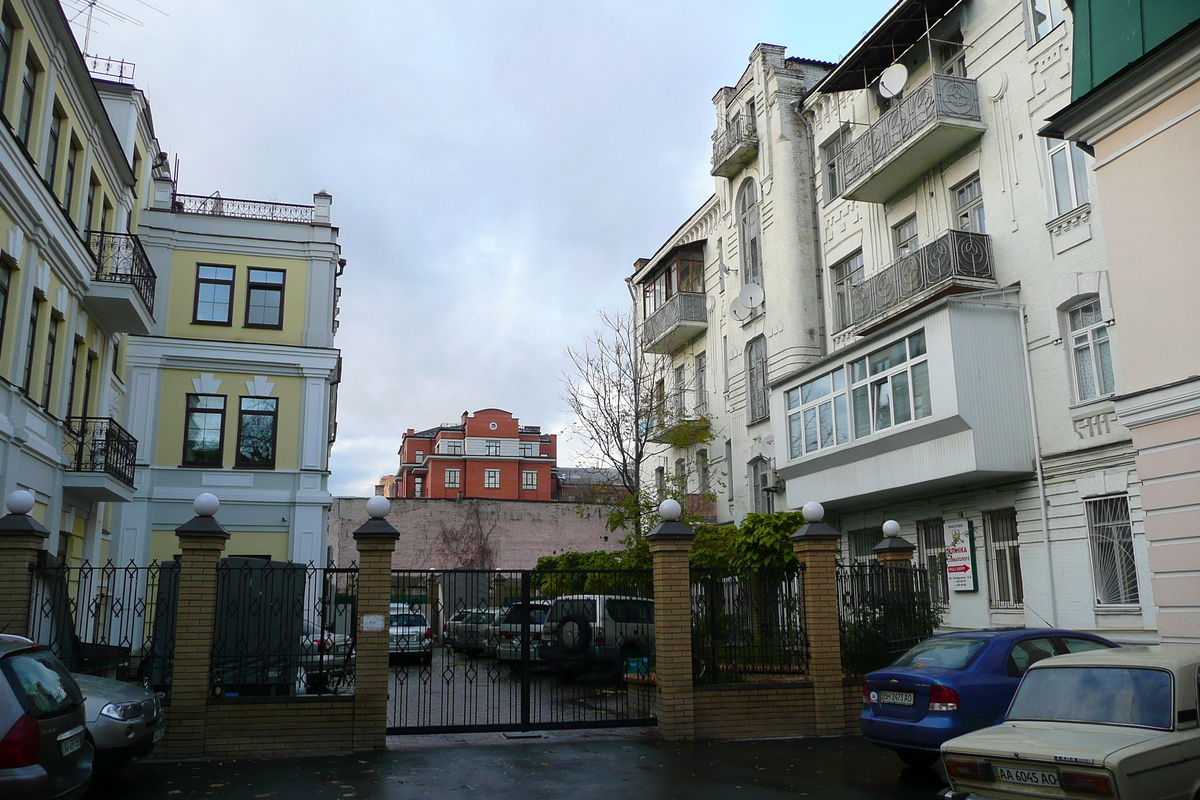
(467, 543)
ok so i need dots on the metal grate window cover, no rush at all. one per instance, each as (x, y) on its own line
(1005, 588)
(862, 544)
(931, 541)
(1110, 536)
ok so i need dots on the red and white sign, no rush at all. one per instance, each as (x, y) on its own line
(960, 555)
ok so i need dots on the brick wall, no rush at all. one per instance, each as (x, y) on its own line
(522, 532)
(754, 710)
(276, 727)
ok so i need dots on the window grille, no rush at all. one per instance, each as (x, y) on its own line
(1005, 589)
(1111, 538)
(931, 550)
(862, 544)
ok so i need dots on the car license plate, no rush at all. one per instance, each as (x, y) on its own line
(158, 734)
(72, 743)
(896, 698)
(1031, 777)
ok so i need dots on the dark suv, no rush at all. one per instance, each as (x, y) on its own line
(587, 631)
(44, 751)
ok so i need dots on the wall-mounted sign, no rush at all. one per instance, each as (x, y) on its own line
(372, 622)
(960, 555)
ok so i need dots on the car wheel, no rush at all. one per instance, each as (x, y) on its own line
(427, 659)
(918, 759)
(574, 633)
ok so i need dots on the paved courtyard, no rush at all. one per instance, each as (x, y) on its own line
(617, 764)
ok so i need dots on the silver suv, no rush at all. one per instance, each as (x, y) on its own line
(587, 631)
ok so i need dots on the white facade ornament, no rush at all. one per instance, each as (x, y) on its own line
(16, 243)
(260, 386)
(207, 383)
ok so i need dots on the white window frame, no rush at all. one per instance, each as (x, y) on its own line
(526, 449)
(1067, 185)
(1051, 16)
(1090, 346)
(815, 407)
(418, 486)
(680, 391)
(968, 206)
(452, 447)
(842, 276)
(870, 375)
(830, 154)
(1110, 543)
(764, 501)
(453, 479)
(491, 479)
(701, 381)
(758, 406)
(419, 456)
(491, 447)
(529, 480)
(905, 236)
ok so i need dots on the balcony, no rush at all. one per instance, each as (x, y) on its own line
(681, 430)
(121, 296)
(734, 146)
(927, 126)
(101, 456)
(216, 206)
(954, 262)
(680, 320)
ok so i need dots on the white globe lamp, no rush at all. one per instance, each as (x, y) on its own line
(378, 507)
(813, 511)
(206, 504)
(19, 502)
(670, 510)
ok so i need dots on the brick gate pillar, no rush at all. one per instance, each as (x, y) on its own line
(817, 546)
(670, 542)
(201, 542)
(376, 539)
(894, 551)
(21, 539)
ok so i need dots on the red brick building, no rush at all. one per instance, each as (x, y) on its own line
(489, 455)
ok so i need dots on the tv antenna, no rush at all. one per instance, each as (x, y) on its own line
(101, 13)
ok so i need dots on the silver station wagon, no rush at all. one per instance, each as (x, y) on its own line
(1118, 723)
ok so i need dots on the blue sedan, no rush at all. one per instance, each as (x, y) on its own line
(955, 683)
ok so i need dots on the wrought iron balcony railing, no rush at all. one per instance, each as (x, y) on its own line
(734, 144)
(685, 314)
(953, 257)
(217, 206)
(110, 69)
(120, 258)
(99, 444)
(938, 99)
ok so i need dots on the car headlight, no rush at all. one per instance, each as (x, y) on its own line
(122, 711)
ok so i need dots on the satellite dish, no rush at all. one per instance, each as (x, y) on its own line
(751, 295)
(739, 311)
(768, 447)
(891, 82)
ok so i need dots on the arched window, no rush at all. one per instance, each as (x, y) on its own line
(749, 233)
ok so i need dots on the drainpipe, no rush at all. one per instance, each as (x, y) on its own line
(1041, 477)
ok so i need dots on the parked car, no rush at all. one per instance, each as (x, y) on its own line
(1111, 723)
(124, 720)
(583, 632)
(505, 635)
(44, 750)
(450, 627)
(327, 658)
(471, 635)
(955, 683)
(409, 636)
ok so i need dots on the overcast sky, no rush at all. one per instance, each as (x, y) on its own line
(495, 167)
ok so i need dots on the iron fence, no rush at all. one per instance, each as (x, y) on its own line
(740, 130)
(883, 610)
(120, 258)
(747, 624)
(283, 628)
(216, 206)
(683, 307)
(100, 444)
(108, 620)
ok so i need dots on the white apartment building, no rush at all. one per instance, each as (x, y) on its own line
(971, 347)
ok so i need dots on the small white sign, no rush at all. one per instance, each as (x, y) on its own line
(372, 623)
(960, 555)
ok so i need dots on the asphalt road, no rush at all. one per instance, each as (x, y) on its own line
(571, 765)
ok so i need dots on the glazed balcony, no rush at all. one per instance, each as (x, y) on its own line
(677, 322)
(928, 125)
(734, 146)
(954, 262)
(100, 459)
(121, 296)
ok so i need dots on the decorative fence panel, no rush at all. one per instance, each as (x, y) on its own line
(747, 624)
(883, 610)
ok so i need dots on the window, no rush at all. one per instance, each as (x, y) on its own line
(74, 378)
(5, 282)
(890, 386)
(1042, 18)
(968, 200)
(418, 486)
(862, 544)
(728, 471)
(818, 414)
(756, 380)
(529, 480)
(491, 479)
(264, 298)
(28, 90)
(258, 419)
(69, 185)
(831, 156)
(680, 475)
(87, 385)
(702, 478)
(204, 429)
(1003, 559)
(492, 447)
(419, 457)
(749, 233)
(953, 56)
(34, 313)
(56, 121)
(701, 382)
(931, 554)
(1067, 172)
(680, 392)
(7, 29)
(453, 479)
(453, 447)
(526, 449)
(48, 370)
(685, 273)
(660, 482)
(905, 236)
(1111, 537)
(1091, 355)
(1028, 652)
(761, 489)
(214, 295)
(90, 211)
(844, 275)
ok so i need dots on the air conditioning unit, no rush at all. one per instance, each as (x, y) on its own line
(769, 481)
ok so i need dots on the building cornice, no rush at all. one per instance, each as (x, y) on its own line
(161, 352)
(1160, 404)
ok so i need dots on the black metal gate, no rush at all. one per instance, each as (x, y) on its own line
(519, 650)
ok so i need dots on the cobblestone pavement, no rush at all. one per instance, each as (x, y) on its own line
(579, 765)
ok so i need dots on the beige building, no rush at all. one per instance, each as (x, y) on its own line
(1137, 104)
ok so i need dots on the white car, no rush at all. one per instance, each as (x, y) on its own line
(1116, 723)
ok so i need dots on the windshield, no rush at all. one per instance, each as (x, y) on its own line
(43, 682)
(408, 621)
(943, 653)
(1106, 695)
